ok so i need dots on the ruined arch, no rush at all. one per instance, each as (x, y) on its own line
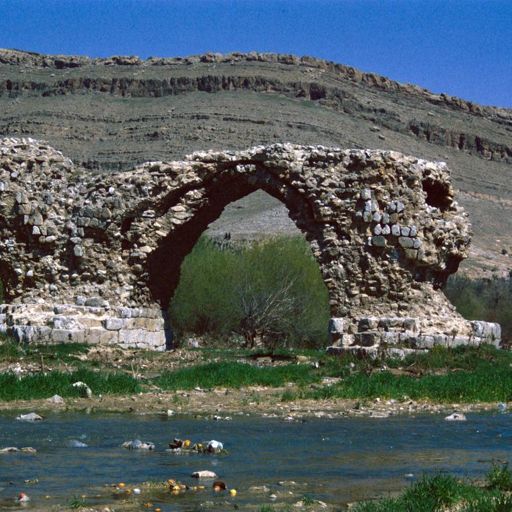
(164, 262)
(383, 227)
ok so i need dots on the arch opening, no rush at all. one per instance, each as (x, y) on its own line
(437, 193)
(164, 263)
(258, 286)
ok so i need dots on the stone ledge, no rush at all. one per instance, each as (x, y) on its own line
(398, 337)
(66, 323)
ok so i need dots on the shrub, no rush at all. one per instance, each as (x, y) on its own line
(269, 291)
(483, 299)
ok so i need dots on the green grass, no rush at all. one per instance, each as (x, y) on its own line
(464, 374)
(463, 386)
(468, 374)
(10, 350)
(499, 478)
(440, 492)
(459, 358)
(46, 385)
(235, 375)
(77, 502)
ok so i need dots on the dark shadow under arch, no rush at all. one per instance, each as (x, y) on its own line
(164, 263)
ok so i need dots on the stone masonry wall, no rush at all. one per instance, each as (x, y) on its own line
(96, 257)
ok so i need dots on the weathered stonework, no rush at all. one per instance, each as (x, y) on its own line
(96, 257)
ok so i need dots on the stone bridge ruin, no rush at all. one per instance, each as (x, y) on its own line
(96, 258)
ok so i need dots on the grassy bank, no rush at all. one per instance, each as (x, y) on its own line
(465, 375)
(45, 385)
(235, 375)
(447, 493)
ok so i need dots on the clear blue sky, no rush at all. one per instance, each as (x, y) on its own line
(461, 47)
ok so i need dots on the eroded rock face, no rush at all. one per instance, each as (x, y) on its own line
(96, 257)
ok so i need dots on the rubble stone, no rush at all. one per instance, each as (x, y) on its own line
(95, 258)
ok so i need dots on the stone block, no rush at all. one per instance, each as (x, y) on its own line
(65, 322)
(366, 194)
(411, 254)
(367, 323)
(124, 312)
(100, 335)
(425, 342)
(457, 341)
(390, 337)
(486, 330)
(141, 338)
(151, 312)
(336, 325)
(405, 242)
(395, 230)
(114, 324)
(129, 336)
(149, 324)
(367, 339)
(367, 216)
(96, 302)
(378, 241)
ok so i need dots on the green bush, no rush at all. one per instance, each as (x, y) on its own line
(483, 299)
(270, 291)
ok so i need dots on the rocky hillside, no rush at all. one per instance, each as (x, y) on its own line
(110, 114)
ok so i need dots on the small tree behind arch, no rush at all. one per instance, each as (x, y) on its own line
(269, 293)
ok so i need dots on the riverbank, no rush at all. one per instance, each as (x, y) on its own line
(226, 381)
(256, 400)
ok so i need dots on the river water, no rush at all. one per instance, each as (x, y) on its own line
(334, 460)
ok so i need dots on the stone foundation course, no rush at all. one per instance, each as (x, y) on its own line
(95, 257)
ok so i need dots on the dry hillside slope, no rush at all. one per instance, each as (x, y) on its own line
(114, 113)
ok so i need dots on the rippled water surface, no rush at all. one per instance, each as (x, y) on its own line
(336, 460)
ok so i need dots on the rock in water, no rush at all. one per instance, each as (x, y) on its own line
(456, 416)
(22, 498)
(9, 449)
(31, 417)
(215, 446)
(76, 444)
(13, 449)
(137, 444)
(204, 475)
